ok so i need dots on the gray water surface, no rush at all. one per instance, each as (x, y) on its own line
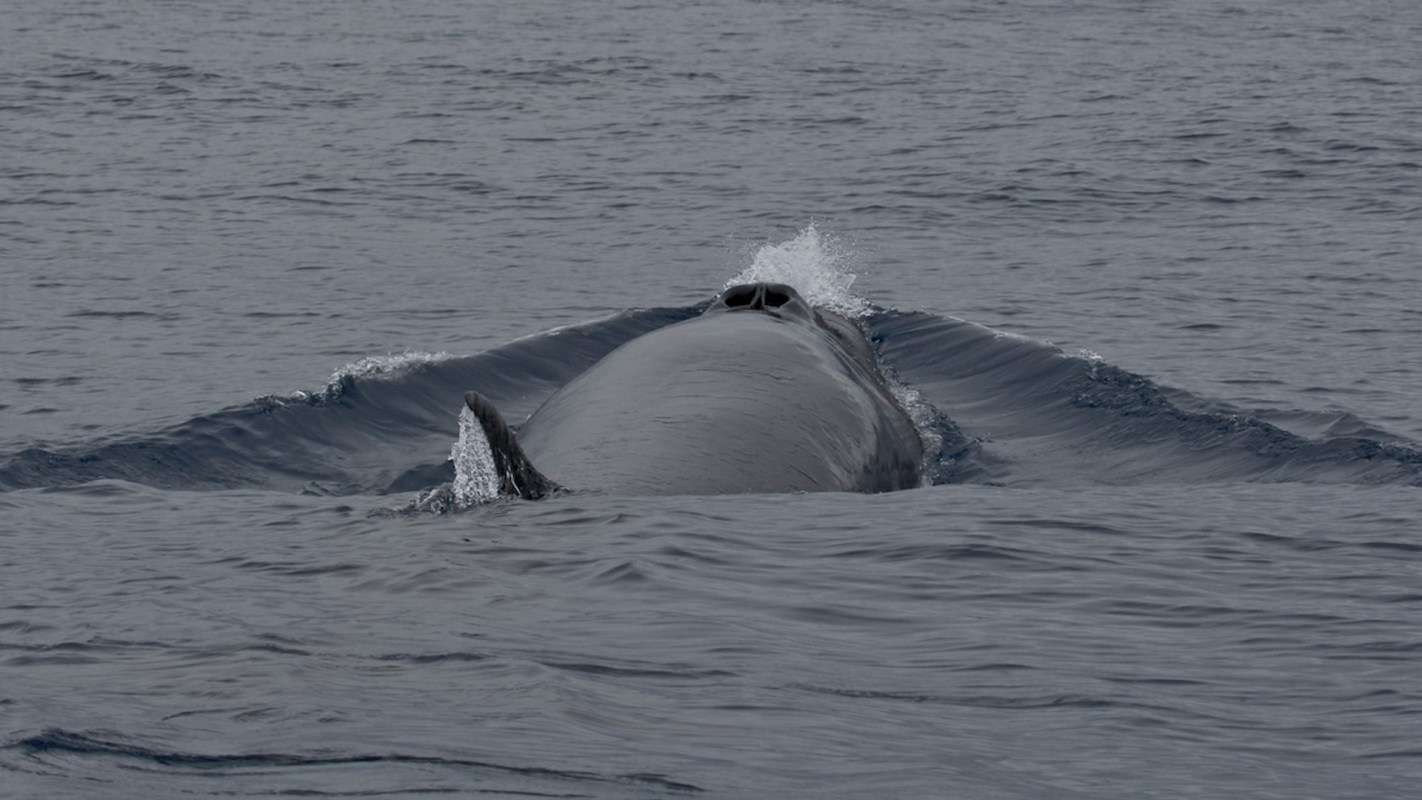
(202, 205)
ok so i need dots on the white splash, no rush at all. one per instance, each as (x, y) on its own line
(476, 479)
(385, 366)
(378, 367)
(921, 413)
(817, 265)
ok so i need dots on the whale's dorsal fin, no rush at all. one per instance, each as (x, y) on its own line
(517, 475)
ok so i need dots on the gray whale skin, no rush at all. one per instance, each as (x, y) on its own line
(762, 393)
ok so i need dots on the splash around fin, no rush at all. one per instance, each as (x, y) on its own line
(517, 475)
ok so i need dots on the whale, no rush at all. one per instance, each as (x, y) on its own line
(761, 393)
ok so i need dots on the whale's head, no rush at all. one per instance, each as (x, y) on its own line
(783, 302)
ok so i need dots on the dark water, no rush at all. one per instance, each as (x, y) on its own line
(1150, 272)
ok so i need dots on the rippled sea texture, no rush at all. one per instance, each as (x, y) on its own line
(207, 209)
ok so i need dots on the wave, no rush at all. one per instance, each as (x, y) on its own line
(997, 408)
(1042, 416)
(55, 743)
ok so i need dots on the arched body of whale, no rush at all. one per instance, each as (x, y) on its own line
(761, 393)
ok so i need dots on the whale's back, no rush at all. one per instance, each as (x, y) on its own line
(725, 404)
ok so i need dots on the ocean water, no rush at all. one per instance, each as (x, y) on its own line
(1147, 273)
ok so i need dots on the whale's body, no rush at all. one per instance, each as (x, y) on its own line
(761, 393)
